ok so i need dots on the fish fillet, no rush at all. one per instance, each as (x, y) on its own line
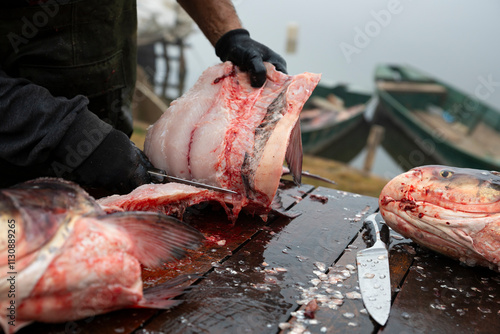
(226, 133)
(170, 198)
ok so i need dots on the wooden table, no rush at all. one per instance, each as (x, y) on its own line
(254, 276)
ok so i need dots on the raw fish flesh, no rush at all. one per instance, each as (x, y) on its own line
(72, 260)
(226, 133)
(169, 198)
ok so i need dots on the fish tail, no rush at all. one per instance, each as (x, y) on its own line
(156, 237)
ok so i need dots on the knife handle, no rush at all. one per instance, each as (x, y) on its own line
(374, 230)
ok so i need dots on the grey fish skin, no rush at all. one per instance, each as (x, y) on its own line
(39, 207)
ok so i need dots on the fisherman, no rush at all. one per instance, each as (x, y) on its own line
(67, 75)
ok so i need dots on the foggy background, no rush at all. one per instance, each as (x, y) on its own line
(455, 41)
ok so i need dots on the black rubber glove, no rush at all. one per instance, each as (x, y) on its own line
(116, 165)
(249, 55)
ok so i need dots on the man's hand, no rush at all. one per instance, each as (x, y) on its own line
(220, 24)
(116, 165)
(249, 55)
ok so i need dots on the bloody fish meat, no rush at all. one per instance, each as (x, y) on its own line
(453, 211)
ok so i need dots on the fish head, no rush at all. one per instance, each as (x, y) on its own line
(464, 189)
(455, 211)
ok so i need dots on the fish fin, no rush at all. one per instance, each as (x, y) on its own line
(293, 154)
(317, 177)
(157, 238)
(160, 296)
(286, 171)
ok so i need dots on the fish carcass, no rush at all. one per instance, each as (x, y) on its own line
(453, 211)
(70, 260)
(226, 133)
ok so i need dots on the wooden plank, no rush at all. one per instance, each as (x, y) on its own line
(440, 295)
(374, 139)
(147, 106)
(326, 104)
(348, 315)
(351, 316)
(257, 288)
(222, 240)
(290, 194)
(411, 87)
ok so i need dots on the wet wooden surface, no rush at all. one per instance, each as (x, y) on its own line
(259, 277)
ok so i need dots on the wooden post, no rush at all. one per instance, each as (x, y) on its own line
(167, 69)
(182, 66)
(374, 139)
(291, 38)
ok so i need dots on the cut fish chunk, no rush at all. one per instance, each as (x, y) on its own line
(226, 133)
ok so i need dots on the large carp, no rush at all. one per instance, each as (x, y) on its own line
(453, 211)
(65, 259)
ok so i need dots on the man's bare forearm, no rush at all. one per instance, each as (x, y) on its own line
(214, 17)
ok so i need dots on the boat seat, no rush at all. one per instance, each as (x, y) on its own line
(411, 87)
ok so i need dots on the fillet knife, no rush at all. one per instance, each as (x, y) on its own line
(374, 277)
(169, 178)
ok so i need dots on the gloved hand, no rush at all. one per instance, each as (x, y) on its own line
(116, 165)
(237, 47)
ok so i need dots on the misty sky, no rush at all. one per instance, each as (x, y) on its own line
(454, 40)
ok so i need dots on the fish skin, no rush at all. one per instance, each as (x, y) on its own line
(453, 211)
(90, 263)
(41, 214)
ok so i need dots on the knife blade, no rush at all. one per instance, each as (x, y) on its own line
(169, 178)
(374, 276)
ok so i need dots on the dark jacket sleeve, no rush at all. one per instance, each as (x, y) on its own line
(36, 126)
